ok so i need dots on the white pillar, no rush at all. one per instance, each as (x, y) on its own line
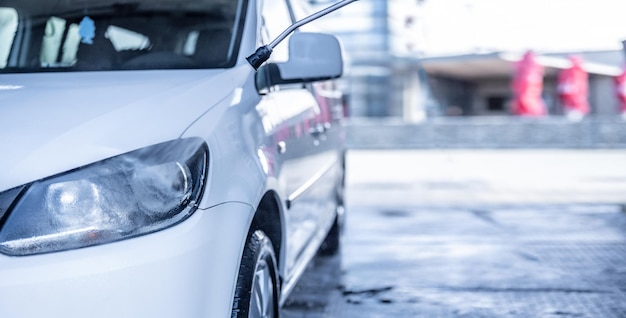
(413, 99)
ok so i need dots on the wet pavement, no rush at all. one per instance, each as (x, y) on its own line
(476, 234)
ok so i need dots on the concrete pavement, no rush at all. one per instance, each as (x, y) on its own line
(468, 177)
(515, 233)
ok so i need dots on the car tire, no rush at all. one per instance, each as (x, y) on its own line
(256, 292)
(332, 242)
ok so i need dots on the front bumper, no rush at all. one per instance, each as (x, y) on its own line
(188, 270)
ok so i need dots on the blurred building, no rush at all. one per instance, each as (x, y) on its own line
(391, 77)
(381, 40)
(480, 84)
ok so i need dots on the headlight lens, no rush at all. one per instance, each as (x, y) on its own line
(125, 196)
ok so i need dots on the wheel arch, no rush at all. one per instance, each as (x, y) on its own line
(270, 219)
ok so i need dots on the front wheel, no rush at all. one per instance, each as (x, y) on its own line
(256, 293)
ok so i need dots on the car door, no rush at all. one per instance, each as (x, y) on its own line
(306, 139)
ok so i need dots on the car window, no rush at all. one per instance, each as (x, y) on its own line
(8, 26)
(74, 35)
(276, 19)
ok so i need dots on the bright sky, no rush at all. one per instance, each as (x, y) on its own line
(457, 26)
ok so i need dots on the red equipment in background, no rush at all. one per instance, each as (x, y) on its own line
(527, 85)
(573, 89)
(620, 90)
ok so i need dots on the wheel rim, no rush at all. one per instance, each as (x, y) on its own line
(262, 298)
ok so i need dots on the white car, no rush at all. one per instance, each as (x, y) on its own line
(149, 170)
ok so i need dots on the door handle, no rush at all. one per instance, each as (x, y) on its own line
(317, 130)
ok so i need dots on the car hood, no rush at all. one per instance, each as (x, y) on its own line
(54, 122)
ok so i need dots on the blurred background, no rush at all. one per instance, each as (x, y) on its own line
(485, 171)
(493, 63)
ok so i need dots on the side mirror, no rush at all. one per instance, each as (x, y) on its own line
(312, 57)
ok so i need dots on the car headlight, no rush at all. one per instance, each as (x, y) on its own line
(122, 197)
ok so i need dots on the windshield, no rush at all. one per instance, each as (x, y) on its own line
(91, 35)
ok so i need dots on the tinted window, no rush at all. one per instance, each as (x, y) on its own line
(74, 35)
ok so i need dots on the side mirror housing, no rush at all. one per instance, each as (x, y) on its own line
(312, 57)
